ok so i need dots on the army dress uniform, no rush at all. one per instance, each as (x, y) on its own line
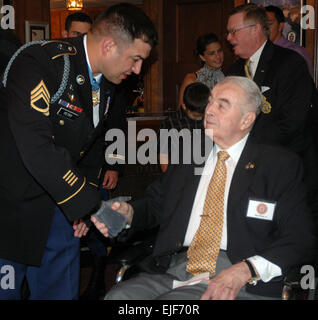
(52, 153)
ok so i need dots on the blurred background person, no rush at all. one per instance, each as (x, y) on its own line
(210, 52)
(196, 96)
(76, 24)
(276, 23)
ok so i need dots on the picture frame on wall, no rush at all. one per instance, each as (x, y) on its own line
(35, 31)
(293, 30)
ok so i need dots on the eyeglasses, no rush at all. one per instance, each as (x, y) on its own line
(232, 32)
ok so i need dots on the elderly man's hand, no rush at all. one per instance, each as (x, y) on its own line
(111, 223)
(227, 284)
(100, 227)
(125, 209)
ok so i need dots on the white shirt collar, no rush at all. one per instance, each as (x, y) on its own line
(97, 78)
(234, 151)
(255, 57)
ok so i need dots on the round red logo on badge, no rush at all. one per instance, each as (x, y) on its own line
(261, 208)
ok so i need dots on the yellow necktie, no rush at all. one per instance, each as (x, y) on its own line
(205, 246)
(247, 69)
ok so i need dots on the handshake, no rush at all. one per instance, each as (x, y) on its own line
(114, 221)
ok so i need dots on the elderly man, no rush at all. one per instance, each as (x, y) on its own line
(239, 227)
(283, 77)
(58, 98)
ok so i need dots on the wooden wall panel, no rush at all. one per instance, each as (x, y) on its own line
(153, 79)
(30, 10)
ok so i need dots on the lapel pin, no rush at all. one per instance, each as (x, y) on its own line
(80, 80)
(250, 166)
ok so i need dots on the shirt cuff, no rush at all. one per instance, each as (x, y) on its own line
(266, 269)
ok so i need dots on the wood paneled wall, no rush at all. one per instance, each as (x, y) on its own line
(30, 10)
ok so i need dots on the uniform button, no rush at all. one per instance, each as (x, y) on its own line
(82, 153)
(62, 122)
(179, 244)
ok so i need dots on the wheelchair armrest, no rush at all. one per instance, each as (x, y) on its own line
(130, 254)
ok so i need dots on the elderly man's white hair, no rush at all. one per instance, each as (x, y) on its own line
(253, 99)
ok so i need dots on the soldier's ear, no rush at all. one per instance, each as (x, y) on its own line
(107, 45)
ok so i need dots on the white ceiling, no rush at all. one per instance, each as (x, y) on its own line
(60, 4)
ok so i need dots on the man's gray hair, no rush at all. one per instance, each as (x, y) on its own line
(253, 99)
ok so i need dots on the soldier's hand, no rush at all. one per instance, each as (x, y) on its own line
(80, 229)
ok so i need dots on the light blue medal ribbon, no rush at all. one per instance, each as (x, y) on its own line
(95, 86)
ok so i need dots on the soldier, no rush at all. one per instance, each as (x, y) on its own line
(56, 98)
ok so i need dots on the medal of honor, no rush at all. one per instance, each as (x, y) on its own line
(96, 100)
(266, 106)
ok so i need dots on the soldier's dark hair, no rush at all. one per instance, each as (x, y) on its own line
(196, 97)
(253, 14)
(77, 16)
(279, 15)
(203, 41)
(127, 22)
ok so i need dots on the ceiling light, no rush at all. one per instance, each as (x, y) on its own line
(74, 4)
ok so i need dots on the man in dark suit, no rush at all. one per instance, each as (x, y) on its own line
(57, 98)
(286, 85)
(265, 228)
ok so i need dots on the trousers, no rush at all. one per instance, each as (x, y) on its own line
(57, 278)
(147, 286)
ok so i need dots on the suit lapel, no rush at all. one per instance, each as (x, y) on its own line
(243, 175)
(263, 64)
(189, 192)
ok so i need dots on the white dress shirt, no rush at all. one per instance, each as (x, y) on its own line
(97, 78)
(265, 268)
(254, 59)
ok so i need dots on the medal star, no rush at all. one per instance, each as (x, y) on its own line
(96, 100)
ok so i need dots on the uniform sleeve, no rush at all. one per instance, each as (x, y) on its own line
(31, 84)
(116, 120)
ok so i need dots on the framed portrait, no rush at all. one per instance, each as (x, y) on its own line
(35, 31)
(293, 30)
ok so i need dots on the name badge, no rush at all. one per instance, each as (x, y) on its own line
(67, 114)
(259, 209)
